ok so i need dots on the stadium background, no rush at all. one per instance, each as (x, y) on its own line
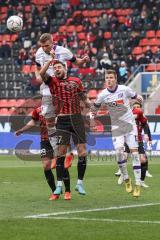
(123, 35)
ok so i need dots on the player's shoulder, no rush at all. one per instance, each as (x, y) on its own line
(123, 87)
(60, 49)
(75, 79)
(39, 52)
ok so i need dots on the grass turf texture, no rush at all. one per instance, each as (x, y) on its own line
(24, 192)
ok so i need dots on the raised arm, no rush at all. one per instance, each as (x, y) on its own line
(28, 126)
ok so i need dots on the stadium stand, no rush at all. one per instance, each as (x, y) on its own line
(124, 31)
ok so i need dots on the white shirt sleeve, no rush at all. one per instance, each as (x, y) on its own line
(99, 100)
(67, 54)
(130, 93)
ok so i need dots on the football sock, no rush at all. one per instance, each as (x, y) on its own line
(143, 170)
(122, 163)
(136, 167)
(60, 168)
(50, 179)
(81, 167)
(66, 180)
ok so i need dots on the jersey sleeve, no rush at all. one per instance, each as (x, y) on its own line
(99, 101)
(130, 93)
(68, 55)
(37, 59)
(35, 115)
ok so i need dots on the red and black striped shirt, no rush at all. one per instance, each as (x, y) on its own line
(66, 94)
(140, 121)
(37, 116)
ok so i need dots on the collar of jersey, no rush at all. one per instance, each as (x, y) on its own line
(112, 91)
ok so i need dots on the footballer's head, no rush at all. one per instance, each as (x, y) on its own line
(137, 105)
(110, 79)
(46, 42)
(59, 69)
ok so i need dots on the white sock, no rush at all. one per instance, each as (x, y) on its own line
(79, 181)
(59, 183)
(136, 168)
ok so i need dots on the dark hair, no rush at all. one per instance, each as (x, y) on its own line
(45, 37)
(136, 102)
(54, 62)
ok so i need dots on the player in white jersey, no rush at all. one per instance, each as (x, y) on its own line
(43, 54)
(124, 129)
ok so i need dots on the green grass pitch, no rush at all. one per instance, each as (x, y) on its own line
(107, 212)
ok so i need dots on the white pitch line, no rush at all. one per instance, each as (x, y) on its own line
(92, 210)
(103, 220)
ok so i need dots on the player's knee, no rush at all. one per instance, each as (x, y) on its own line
(120, 154)
(81, 149)
(143, 158)
(47, 164)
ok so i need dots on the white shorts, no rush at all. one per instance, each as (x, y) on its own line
(47, 108)
(130, 138)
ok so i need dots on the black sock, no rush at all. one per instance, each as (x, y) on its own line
(147, 165)
(60, 168)
(50, 179)
(66, 180)
(82, 162)
(143, 171)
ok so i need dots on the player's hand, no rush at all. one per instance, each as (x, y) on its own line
(52, 53)
(85, 59)
(146, 138)
(18, 132)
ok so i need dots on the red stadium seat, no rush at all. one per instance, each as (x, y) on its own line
(154, 49)
(4, 111)
(79, 28)
(13, 37)
(137, 51)
(3, 10)
(85, 13)
(33, 68)
(151, 67)
(158, 34)
(20, 102)
(154, 42)
(158, 67)
(70, 28)
(81, 36)
(150, 34)
(12, 103)
(3, 103)
(6, 37)
(93, 20)
(121, 19)
(107, 35)
(27, 8)
(62, 28)
(26, 69)
(144, 42)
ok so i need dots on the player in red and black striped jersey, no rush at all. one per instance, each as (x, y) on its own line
(67, 93)
(47, 152)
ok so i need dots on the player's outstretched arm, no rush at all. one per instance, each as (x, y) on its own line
(43, 71)
(28, 126)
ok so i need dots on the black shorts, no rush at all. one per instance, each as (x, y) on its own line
(140, 148)
(70, 126)
(46, 150)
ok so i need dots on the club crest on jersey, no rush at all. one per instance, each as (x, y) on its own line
(120, 95)
(116, 103)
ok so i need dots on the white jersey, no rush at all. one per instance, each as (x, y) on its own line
(41, 58)
(61, 53)
(118, 105)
